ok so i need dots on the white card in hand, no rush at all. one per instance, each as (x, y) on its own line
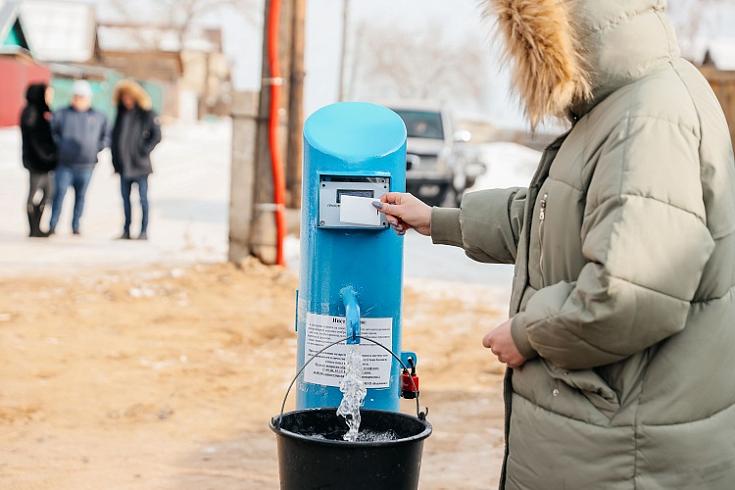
(358, 211)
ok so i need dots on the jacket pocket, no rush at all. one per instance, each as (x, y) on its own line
(591, 385)
(143, 149)
(542, 221)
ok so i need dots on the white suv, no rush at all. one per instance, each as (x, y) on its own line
(433, 170)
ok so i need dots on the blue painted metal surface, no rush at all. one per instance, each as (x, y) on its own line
(354, 140)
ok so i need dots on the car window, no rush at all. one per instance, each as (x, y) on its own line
(422, 124)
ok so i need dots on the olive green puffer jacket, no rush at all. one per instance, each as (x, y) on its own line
(624, 246)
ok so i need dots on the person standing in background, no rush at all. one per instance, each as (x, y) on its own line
(80, 133)
(39, 152)
(135, 134)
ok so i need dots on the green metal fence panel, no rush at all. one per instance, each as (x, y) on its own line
(103, 91)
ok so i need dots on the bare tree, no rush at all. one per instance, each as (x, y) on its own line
(418, 65)
(179, 16)
(690, 19)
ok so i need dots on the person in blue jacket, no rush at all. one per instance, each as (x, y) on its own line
(80, 133)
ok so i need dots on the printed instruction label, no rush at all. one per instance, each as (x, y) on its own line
(329, 368)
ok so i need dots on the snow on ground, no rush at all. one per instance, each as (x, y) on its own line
(508, 165)
(188, 194)
(429, 267)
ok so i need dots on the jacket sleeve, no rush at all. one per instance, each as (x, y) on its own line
(645, 241)
(28, 118)
(487, 225)
(30, 125)
(56, 124)
(104, 136)
(153, 133)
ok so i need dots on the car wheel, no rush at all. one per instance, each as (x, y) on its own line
(448, 197)
(459, 182)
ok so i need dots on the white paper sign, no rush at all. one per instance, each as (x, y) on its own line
(329, 368)
(355, 210)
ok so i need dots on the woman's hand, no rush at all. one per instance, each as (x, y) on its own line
(500, 342)
(405, 211)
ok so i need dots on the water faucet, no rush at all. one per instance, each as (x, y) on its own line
(352, 314)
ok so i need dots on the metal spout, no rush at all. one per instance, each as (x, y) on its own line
(352, 314)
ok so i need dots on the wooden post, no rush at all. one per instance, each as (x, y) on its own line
(723, 84)
(343, 50)
(263, 227)
(295, 106)
(242, 173)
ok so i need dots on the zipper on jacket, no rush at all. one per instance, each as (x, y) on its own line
(542, 219)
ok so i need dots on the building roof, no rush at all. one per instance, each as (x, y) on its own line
(8, 17)
(15, 52)
(11, 30)
(60, 31)
(75, 71)
(150, 37)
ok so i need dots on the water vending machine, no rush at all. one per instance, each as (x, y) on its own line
(351, 275)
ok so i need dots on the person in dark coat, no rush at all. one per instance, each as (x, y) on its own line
(39, 152)
(134, 136)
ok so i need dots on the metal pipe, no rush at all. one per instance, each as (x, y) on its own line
(279, 182)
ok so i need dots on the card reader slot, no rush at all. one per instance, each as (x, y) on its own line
(353, 193)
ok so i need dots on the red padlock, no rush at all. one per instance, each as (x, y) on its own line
(409, 384)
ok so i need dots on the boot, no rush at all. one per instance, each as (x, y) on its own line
(31, 223)
(38, 217)
(34, 222)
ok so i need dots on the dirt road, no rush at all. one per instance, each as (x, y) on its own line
(166, 378)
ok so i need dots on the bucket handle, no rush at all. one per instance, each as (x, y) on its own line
(421, 415)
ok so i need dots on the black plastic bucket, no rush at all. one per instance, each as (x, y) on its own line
(326, 462)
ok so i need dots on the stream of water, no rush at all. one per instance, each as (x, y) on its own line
(353, 393)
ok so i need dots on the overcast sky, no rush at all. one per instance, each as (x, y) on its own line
(323, 42)
(243, 43)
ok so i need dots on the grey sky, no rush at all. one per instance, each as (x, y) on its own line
(323, 40)
(461, 16)
(243, 43)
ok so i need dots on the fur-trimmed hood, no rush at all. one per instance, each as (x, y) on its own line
(567, 55)
(135, 90)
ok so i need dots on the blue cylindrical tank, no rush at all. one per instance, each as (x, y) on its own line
(356, 150)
